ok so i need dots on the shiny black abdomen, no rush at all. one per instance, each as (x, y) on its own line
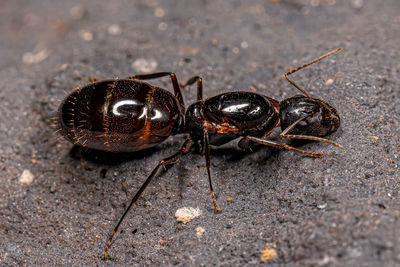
(119, 115)
(325, 118)
(230, 115)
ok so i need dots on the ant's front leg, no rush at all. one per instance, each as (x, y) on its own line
(248, 139)
(306, 137)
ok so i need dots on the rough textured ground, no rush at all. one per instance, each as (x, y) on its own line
(340, 210)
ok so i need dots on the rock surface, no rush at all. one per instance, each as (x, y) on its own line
(342, 209)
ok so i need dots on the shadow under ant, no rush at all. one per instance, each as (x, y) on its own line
(99, 157)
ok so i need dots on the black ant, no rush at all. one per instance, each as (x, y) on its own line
(127, 115)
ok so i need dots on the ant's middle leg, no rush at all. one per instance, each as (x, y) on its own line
(206, 147)
(174, 80)
(185, 148)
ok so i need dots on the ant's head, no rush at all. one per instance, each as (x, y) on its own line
(308, 116)
(303, 115)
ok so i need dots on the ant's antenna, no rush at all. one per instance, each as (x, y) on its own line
(306, 65)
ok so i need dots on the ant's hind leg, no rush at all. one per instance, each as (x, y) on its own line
(199, 86)
(174, 80)
(167, 161)
(279, 145)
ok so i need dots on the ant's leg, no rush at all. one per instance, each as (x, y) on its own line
(306, 137)
(174, 80)
(167, 161)
(279, 145)
(206, 147)
(199, 86)
(306, 65)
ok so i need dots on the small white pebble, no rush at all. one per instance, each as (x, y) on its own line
(114, 29)
(329, 81)
(163, 26)
(77, 12)
(244, 44)
(357, 3)
(33, 58)
(331, 2)
(86, 35)
(305, 10)
(26, 177)
(322, 206)
(159, 12)
(144, 65)
(315, 2)
(186, 214)
(199, 231)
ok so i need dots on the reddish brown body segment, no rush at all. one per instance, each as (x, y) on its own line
(119, 116)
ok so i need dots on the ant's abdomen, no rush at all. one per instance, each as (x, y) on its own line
(119, 115)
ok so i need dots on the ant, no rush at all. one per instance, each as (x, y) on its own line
(128, 115)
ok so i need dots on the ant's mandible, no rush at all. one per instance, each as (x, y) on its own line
(127, 115)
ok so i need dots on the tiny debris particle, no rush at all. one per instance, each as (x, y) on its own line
(229, 199)
(145, 65)
(325, 260)
(315, 2)
(159, 12)
(329, 82)
(33, 58)
(86, 35)
(26, 177)
(163, 26)
(357, 3)
(269, 253)
(244, 45)
(188, 50)
(186, 214)
(77, 12)
(162, 242)
(199, 232)
(376, 138)
(322, 206)
(114, 29)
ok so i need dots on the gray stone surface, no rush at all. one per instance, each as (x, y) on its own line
(340, 210)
